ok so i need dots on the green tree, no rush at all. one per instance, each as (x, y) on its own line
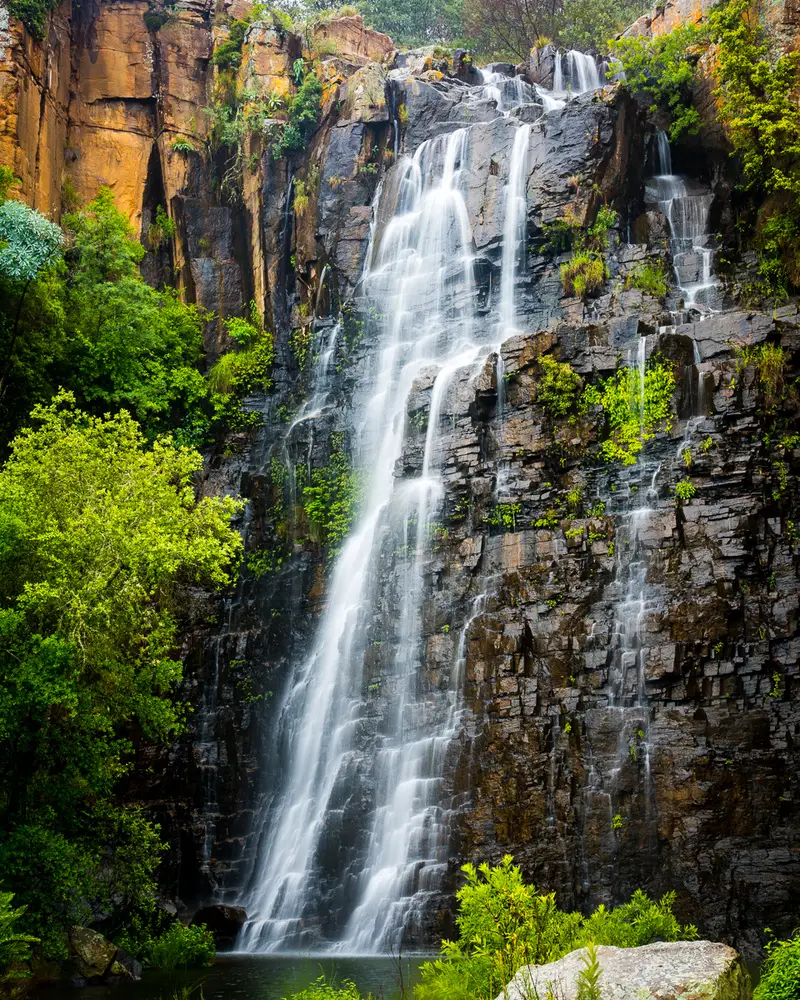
(97, 534)
(91, 324)
(29, 244)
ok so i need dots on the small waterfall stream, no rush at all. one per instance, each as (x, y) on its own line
(362, 805)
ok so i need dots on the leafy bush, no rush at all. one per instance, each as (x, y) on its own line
(162, 229)
(96, 531)
(650, 277)
(769, 362)
(228, 54)
(631, 423)
(584, 274)
(558, 386)
(332, 498)
(242, 372)
(684, 491)
(504, 923)
(304, 112)
(181, 947)
(14, 947)
(321, 989)
(662, 69)
(780, 973)
(33, 14)
(758, 109)
(181, 145)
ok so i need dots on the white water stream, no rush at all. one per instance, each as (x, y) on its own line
(378, 818)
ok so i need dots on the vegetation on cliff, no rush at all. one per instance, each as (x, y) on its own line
(98, 532)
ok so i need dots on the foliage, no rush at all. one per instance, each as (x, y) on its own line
(684, 491)
(558, 387)
(756, 98)
(304, 113)
(634, 411)
(93, 325)
(321, 989)
(14, 947)
(96, 534)
(332, 498)
(415, 22)
(662, 69)
(242, 372)
(30, 243)
(33, 14)
(584, 274)
(182, 145)
(589, 24)
(228, 54)
(156, 19)
(504, 923)
(780, 973)
(651, 277)
(589, 977)
(769, 362)
(503, 515)
(181, 947)
(162, 229)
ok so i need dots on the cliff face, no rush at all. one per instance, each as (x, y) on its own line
(630, 662)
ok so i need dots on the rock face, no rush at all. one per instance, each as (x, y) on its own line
(675, 971)
(224, 922)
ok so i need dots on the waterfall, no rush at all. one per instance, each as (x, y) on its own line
(687, 207)
(582, 72)
(507, 92)
(515, 228)
(581, 75)
(419, 279)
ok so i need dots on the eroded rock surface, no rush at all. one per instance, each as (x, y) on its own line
(666, 971)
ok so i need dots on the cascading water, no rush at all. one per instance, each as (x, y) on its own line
(687, 206)
(356, 838)
(420, 278)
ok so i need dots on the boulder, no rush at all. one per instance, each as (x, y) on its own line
(224, 922)
(91, 952)
(665, 971)
(124, 967)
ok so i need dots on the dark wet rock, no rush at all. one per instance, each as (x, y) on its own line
(223, 921)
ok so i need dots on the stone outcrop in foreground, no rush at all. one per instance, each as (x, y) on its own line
(680, 970)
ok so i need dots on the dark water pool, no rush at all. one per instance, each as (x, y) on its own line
(258, 978)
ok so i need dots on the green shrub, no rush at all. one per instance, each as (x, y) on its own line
(332, 498)
(769, 361)
(684, 491)
(14, 947)
(228, 54)
(162, 229)
(503, 515)
(181, 947)
(662, 69)
(630, 425)
(181, 145)
(584, 274)
(304, 112)
(650, 277)
(780, 973)
(241, 372)
(558, 386)
(156, 19)
(504, 923)
(33, 14)
(321, 989)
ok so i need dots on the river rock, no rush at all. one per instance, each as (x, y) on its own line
(91, 952)
(665, 971)
(224, 922)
